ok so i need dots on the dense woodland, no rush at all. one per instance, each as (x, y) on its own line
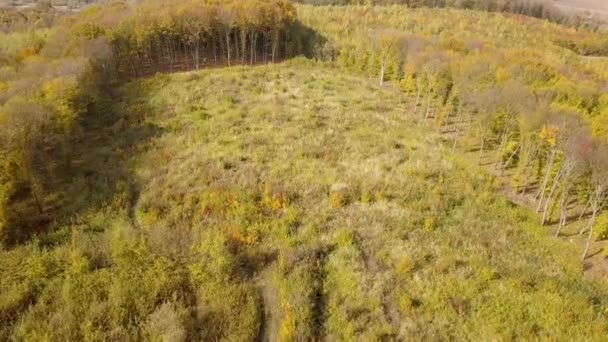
(187, 34)
(248, 199)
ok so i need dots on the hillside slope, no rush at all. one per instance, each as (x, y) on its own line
(287, 202)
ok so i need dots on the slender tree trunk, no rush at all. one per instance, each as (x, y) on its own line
(585, 209)
(237, 52)
(550, 196)
(382, 70)
(503, 142)
(251, 43)
(504, 166)
(171, 57)
(428, 103)
(275, 41)
(563, 211)
(228, 47)
(527, 169)
(266, 44)
(457, 123)
(546, 181)
(243, 45)
(286, 45)
(419, 90)
(457, 135)
(151, 54)
(483, 142)
(446, 120)
(590, 227)
(255, 47)
(524, 188)
(196, 55)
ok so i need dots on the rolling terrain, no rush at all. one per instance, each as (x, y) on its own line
(309, 198)
(255, 170)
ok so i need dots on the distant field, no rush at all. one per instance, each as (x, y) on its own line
(594, 6)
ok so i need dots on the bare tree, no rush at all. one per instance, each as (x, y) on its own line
(598, 165)
(554, 133)
(570, 143)
(383, 42)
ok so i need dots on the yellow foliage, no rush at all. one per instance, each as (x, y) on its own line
(600, 125)
(288, 324)
(61, 94)
(549, 134)
(275, 201)
(502, 75)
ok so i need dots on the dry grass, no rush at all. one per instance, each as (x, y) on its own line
(292, 202)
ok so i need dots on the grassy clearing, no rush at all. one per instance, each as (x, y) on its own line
(288, 202)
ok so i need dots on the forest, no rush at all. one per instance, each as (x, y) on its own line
(178, 170)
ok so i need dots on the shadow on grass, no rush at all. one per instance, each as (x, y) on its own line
(97, 169)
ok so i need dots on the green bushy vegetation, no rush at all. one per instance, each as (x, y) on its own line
(295, 202)
(302, 200)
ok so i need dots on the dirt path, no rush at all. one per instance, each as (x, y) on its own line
(269, 304)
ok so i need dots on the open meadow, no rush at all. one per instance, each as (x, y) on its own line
(263, 171)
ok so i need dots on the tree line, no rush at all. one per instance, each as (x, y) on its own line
(180, 35)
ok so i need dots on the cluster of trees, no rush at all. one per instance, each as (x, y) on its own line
(38, 15)
(42, 97)
(531, 114)
(178, 35)
(543, 9)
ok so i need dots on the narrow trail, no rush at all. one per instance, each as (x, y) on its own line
(268, 300)
(133, 200)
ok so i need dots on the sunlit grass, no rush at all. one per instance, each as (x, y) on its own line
(298, 202)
